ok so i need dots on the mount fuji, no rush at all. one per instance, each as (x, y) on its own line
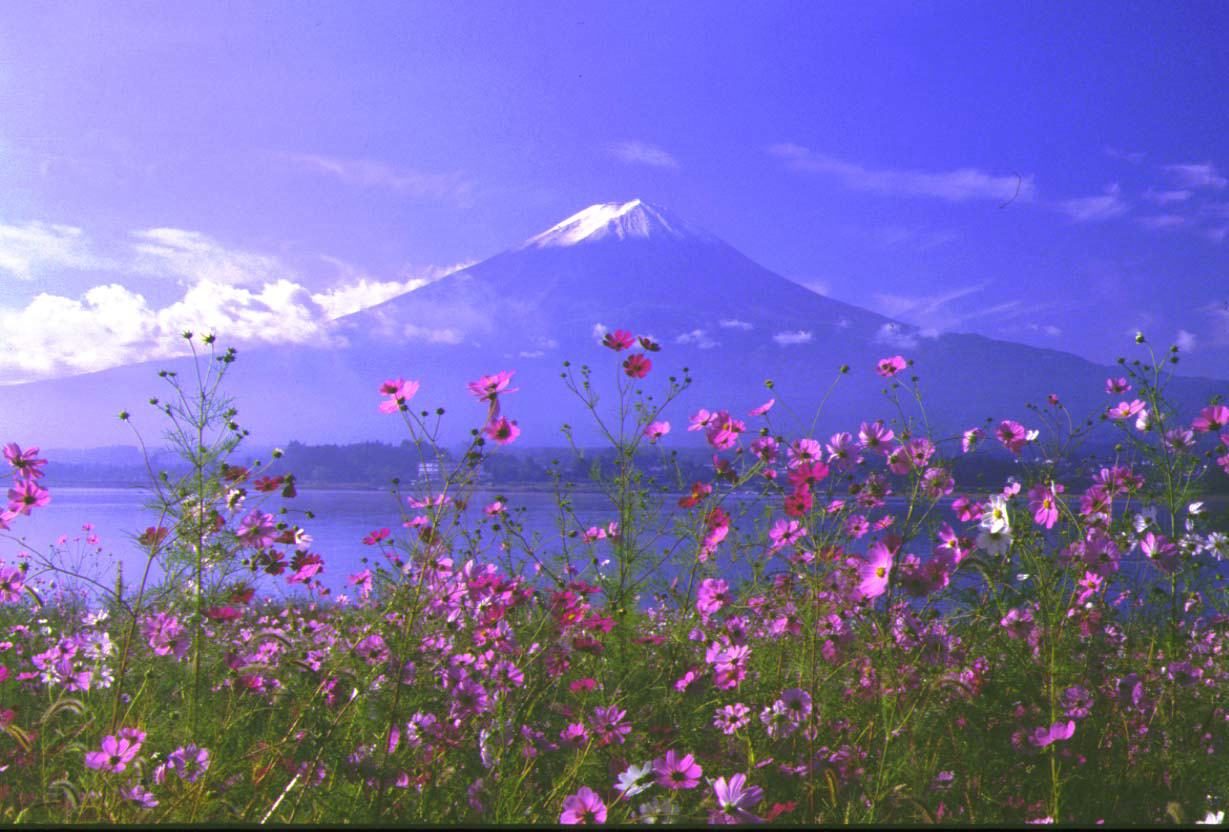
(732, 323)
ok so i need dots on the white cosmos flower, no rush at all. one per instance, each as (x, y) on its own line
(994, 519)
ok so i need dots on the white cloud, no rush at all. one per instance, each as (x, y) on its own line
(361, 291)
(193, 256)
(734, 323)
(819, 287)
(1161, 222)
(29, 250)
(246, 297)
(1167, 197)
(442, 335)
(110, 325)
(894, 335)
(785, 339)
(928, 311)
(366, 173)
(1044, 329)
(1197, 175)
(955, 186)
(599, 332)
(643, 153)
(1096, 208)
(1134, 157)
(1185, 341)
(533, 354)
(698, 337)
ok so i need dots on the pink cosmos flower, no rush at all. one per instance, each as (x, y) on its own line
(723, 430)
(189, 762)
(804, 451)
(115, 755)
(842, 451)
(675, 772)
(807, 475)
(799, 503)
(888, 367)
(732, 718)
(1209, 419)
(1117, 385)
(376, 536)
(766, 448)
(970, 438)
(637, 365)
(618, 340)
(12, 582)
(1043, 502)
(759, 411)
(1043, 736)
(257, 529)
(26, 463)
(610, 725)
(701, 420)
(583, 807)
(574, 736)
(786, 533)
(656, 430)
(874, 574)
(712, 595)
(399, 391)
(1123, 410)
(875, 436)
(1012, 435)
(488, 388)
(26, 495)
(699, 491)
(1163, 552)
(501, 430)
(494, 508)
(735, 799)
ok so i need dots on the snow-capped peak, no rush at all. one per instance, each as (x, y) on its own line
(619, 221)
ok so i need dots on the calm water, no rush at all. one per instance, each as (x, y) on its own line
(342, 519)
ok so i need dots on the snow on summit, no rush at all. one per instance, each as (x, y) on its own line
(618, 221)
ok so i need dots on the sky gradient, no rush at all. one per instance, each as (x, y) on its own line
(1057, 176)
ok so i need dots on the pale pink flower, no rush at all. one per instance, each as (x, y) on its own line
(656, 430)
(759, 411)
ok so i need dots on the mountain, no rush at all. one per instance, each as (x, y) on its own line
(731, 322)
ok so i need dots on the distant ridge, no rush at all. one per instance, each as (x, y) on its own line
(730, 322)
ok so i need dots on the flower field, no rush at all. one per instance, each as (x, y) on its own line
(1057, 654)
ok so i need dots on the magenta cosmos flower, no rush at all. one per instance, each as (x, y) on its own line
(502, 431)
(618, 340)
(115, 755)
(25, 463)
(735, 798)
(675, 772)
(487, 388)
(399, 391)
(637, 365)
(1012, 435)
(27, 494)
(583, 807)
(888, 367)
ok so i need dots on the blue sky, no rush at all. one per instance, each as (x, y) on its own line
(1050, 174)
